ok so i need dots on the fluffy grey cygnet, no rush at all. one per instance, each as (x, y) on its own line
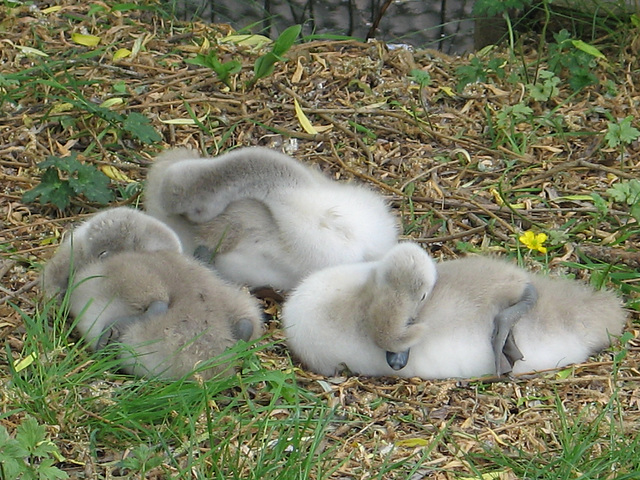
(259, 211)
(165, 312)
(109, 232)
(406, 316)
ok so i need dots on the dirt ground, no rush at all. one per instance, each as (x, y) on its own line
(429, 151)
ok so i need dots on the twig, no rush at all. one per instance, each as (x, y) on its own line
(24, 288)
(329, 119)
(376, 22)
(364, 176)
(446, 238)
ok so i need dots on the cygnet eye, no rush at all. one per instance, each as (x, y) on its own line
(103, 254)
(424, 297)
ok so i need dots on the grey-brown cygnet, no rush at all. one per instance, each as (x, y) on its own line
(308, 221)
(111, 231)
(165, 312)
(406, 316)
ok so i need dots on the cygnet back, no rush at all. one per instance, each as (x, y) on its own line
(570, 322)
(245, 246)
(201, 188)
(459, 318)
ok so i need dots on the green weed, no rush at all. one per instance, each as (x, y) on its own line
(627, 192)
(545, 88)
(222, 69)
(66, 177)
(479, 71)
(575, 63)
(29, 454)
(265, 64)
(422, 78)
(621, 134)
(506, 126)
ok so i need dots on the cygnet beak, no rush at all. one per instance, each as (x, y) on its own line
(398, 360)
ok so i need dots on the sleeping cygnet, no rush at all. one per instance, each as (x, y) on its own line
(109, 232)
(246, 246)
(308, 221)
(166, 313)
(481, 316)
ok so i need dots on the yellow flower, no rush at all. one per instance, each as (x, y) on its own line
(533, 241)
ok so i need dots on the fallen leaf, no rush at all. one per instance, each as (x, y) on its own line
(114, 174)
(302, 118)
(31, 51)
(111, 102)
(137, 45)
(20, 365)
(121, 53)
(61, 107)
(500, 201)
(206, 45)
(55, 8)
(185, 121)
(502, 474)
(86, 40)
(412, 442)
(248, 40)
(297, 75)
(65, 150)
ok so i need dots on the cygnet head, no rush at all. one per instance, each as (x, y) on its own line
(123, 229)
(170, 191)
(400, 286)
(111, 231)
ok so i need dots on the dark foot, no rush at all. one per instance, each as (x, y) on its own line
(505, 349)
(242, 329)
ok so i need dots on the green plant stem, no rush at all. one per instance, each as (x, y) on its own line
(543, 35)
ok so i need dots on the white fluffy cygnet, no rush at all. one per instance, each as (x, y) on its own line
(281, 220)
(465, 318)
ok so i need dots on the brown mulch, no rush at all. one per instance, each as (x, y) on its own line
(428, 151)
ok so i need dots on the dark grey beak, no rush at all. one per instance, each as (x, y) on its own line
(398, 360)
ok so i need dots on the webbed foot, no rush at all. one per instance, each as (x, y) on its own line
(242, 329)
(505, 349)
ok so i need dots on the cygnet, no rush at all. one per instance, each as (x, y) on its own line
(308, 222)
(247, 247)
(111, 231)
(464, 318)
(165, 312)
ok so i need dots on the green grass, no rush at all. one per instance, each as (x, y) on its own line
(256, 425)
(263, 424)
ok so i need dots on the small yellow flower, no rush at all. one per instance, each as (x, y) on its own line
(533, 241)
